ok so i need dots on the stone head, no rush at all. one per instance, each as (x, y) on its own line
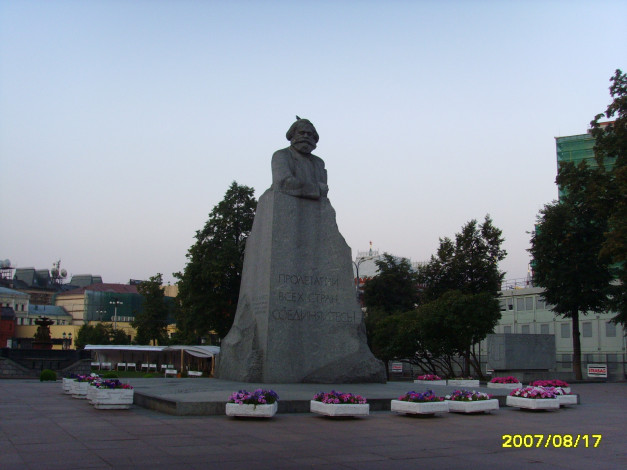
(303, 136)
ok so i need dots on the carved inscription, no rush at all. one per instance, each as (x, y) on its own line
(310, 298)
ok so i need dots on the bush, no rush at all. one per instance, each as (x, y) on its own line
(110, 375)
(47, 374)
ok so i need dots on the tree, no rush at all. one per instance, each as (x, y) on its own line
(610, 150)
(469, 265)
(151, 323)
(100, 333)
(209, 285)
(566, 245)
(394, 288)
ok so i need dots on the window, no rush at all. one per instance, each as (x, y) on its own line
(540, 303)
(528, 303)
(589, 358)
(544, 329)
(520, 304)
(507, 330)
(525, 329)
(610, 329)
(612, 361)
(586, 329)
(565, 330)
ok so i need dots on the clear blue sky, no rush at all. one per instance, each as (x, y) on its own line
(122, 123)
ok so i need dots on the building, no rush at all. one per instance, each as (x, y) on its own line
(18, 301)
(524, 311)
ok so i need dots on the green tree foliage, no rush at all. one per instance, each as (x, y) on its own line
(151, 323)
(394, 288)
(209, 285)
(100, 333)
(463, 271)
(565, 248)
(611, 153)
(470, 264)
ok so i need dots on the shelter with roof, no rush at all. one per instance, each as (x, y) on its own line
(183, 358)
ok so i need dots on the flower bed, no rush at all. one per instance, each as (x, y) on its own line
(535, 398)
(260, 403)
(80, 385)
(430, 379)
(465, 401)
(551, 383)
(426, 403)
(565, 398)
(339, 404)
(508, 382)
(110, 394)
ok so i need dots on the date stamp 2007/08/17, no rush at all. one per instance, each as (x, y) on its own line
(551, 440)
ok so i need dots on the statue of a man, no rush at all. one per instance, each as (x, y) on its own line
(295, 170)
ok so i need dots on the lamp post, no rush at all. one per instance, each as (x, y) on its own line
(67, 340)
(64, 341)
(357, 264)
(115, 302)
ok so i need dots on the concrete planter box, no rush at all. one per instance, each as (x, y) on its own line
(252, 411)
(478, 406)
(430, 382)
(331, 409)
(67, 385)
(533, 403)
(91, 393)
(463, 383)
(507, 386)
(427, 408)
(79, 389)
(566, 400)
(112, 398)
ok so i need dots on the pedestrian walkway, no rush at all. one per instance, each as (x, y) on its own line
(42, 428)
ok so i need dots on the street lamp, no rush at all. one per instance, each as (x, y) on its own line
(115, 302)
(357, 264)
(67, 340)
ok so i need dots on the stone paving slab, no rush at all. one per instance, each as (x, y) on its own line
(42, 428)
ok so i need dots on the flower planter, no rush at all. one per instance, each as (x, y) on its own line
(462, 383)
(430, 382)
(343, 409)
(424, 408)
(513, 386)
(91, 392)
(67, 385)
(533, 403)
(112, 398)
(252, 411)
(476, 406)
(566, 400)
(79, 390)
(566, 389)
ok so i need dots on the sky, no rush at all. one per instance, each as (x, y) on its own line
(123, 123)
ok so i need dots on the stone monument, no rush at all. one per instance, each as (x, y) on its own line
(297, 317)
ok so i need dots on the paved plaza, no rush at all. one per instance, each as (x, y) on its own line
(42, 428)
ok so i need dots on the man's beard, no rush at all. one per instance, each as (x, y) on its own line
(304, 146)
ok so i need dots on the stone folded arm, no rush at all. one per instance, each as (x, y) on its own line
(299, 175)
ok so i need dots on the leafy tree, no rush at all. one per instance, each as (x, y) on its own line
(611, 153)
(151, 323)
(100, 333)
(468, 269)
(470, 264)
(209, 285)
(565, 248)
(455, 322)
(394, 288)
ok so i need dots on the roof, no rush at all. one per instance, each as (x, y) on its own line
(47, 310)
(17, 293)
(198, 351)
(103, 287)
